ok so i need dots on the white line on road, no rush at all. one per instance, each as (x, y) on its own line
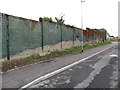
(60, 70)
(114, 55)
(97, 69)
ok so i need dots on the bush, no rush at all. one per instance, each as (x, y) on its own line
(47, 18)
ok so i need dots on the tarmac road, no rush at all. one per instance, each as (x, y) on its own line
(87, 73)
(99, 71)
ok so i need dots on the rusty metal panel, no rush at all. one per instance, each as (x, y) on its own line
(95, 34)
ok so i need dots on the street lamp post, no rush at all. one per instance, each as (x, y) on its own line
(82, 23)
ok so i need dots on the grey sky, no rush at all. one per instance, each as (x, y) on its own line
(96, 13)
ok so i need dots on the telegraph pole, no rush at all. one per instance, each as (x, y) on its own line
(82, 23)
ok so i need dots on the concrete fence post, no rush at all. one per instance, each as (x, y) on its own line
(7, 38)
(42, 42)
(61, 35)
(73, 36)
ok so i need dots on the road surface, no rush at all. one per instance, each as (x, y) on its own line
(94, 70)
(99, 71)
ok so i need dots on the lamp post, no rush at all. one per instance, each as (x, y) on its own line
(82, 23)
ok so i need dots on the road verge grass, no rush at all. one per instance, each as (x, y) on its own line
(36, 58)
(115, 40)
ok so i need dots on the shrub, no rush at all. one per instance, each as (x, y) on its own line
(48, 18)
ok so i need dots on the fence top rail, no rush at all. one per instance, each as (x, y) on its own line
(20, 17)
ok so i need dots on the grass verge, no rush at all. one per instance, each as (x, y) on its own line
(11, 64)
(114, 40)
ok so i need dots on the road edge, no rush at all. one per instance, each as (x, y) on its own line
(41, 78)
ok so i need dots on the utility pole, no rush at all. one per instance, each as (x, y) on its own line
(82, 23)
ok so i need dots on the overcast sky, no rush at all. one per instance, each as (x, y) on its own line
(96, 13)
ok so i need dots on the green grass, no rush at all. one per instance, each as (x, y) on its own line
(114, 40)
(10, 64)
(101, 44)
(67, 51)
(34, 56)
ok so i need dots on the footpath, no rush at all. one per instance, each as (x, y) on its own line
(22, 76)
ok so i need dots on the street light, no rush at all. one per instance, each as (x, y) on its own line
(82, 23)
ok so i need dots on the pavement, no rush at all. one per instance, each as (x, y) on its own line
(22, 76)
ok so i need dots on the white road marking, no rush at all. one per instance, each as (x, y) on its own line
(114, 55)
(97, 69)
(60, 70)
